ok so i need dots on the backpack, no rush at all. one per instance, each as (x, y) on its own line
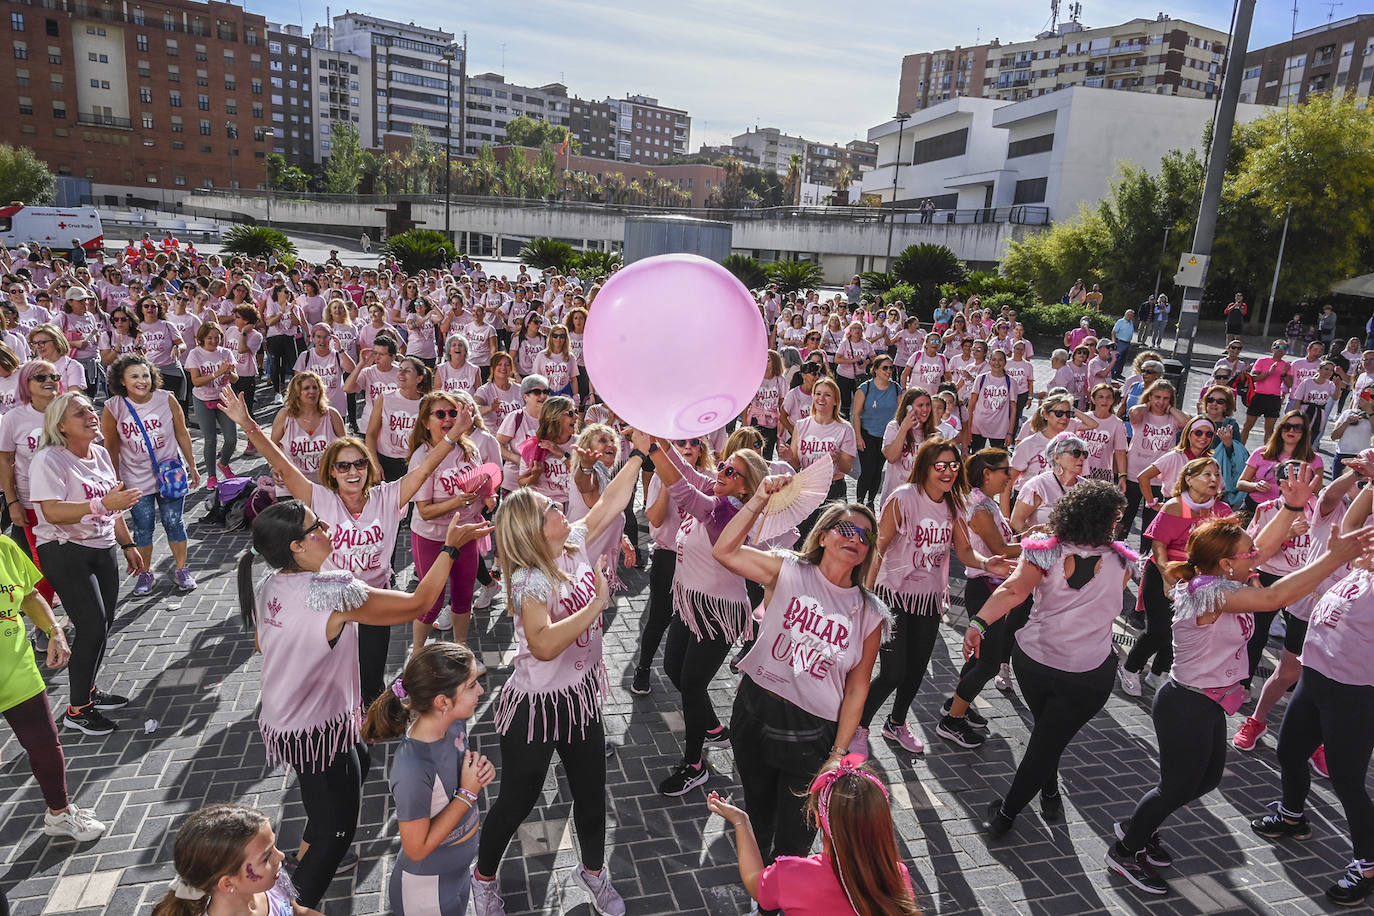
(1244, 385)
(230, 505)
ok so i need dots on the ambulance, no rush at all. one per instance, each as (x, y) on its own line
(54, 227)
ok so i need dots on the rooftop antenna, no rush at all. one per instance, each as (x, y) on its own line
(503, 59)
(1331, 11)
(1075, 10)
(1054, 15)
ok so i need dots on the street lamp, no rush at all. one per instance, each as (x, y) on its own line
(449, 54)
(902, 117)
(232, 134)
(267, 134)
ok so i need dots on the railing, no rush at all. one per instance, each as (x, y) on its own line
(86, 117)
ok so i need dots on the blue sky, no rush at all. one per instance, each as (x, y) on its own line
(793, 64)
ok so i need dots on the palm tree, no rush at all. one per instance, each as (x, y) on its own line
(843, 179)
(792, 181)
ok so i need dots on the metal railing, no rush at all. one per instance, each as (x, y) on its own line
(86, 117)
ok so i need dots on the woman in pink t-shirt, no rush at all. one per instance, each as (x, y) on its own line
(992, 402)
(1065, 456)
(545, 464)
(499, 396)
(79, 502)
(1156, 422)
(556, 363)
(921, 524)
(1290, 441)
(859, 869)
(305, 425)
(209, 366)
(363, 513)
(457, 372)
(913, 424)
(820, 434)
(393, 416)
(374, 375)
(765, 408)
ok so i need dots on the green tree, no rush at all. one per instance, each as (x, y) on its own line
(420, 249)
(746, 269)
(792, 181)
(795, 276)
(485, 175)
(526, 131)
(927, 267)
(348, 161)
(23, 176)
(283, 177)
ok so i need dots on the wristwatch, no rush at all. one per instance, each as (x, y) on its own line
(451, 551)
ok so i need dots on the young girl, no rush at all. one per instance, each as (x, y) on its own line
(227, 862)
(858, 871)
(435, 777)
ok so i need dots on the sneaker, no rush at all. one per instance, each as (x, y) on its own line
(859, 743)
(486, 595)
(348, 863)
(211, 482)
(1155, 681)
(486, 897)
(184, 580)
(972, 715)
(1136, 869)
(75, 823)
(445, 619)
(107, 701)
(606, 900)
(225, 471)
(735, 661)
(684, 779)
(640, 685)
(1249, 733)
(718, 738)
(960, 731)
(1353, 887)
(1319, 763)
(1130, 682)
(250, 451)
(904, 736)
(1003, 680)
(1154, 850)
(610, 749)
(144, 585)
(994, 821)
(1277, 827)
(1052, 806)
(88, 720)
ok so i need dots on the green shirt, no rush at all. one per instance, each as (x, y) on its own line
(19, 677)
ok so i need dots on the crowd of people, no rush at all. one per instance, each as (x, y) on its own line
(456, 407)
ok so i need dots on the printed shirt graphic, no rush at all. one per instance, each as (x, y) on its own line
(19, 676)
(1340, 639)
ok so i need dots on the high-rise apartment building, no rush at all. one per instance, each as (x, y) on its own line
(594, 126)
(1163, 56)
(415, 70)
(490, 102)
(1334, 58)
(772, 148)
(342, 83)
(289, 94)
(160, 94)
(646, 131)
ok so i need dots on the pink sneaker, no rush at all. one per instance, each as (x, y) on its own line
(905, 738)
(211, 482)
(859, 745)
(1249, 733)
(225, 470)
(1319, 763)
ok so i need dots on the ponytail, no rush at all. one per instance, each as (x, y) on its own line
(247, 603)
(211, 843)
(436, 670)
(1182, 570)
(387, 717)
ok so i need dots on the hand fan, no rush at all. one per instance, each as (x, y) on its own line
(482, 481)
(804, 492)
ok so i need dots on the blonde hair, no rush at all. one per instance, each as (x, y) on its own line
(552, 412)
(834, 389)
(1039, 420)
(59, 340)
(55, 413)
(520, 540)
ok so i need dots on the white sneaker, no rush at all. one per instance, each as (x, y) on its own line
(76, 823)
(486, 897)
(1129, 682)
(606, 900)
(1156, 681)
(485, 595)
(1003, 681)
(445, 619)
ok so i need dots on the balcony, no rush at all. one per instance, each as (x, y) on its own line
(95, 120)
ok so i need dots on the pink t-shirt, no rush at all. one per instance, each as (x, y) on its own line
(896, 473)
(1070, 629)
(807, 887)
(558, 370)
(1103, 443)
(1154, 435)
(21, 430)
(135, 468)
(1295, 552)
(928, 371)
(665, 536)
(1045, 488)
(978, 501)
(1300, 370)
(72, 372)
(207, 362)
(441, 486)
(1340, 638)
(766, 405)
(914, 576)
(186, 327)
(909, 343)
(811, 636)
(848, 348)
(245, 364)
(797, 404)
(1215, 655)
(992, 412)
(398, 415)
(57, 473)
(362, 545)
(479, 337)
(502, 403)
(814, 439)
(1274, 384)
(1024, 373)
(158, 340)
(348, 337)
(421, 341)
(374, 383)
(465, 378)
(329, 368)
(555, 482)
(1312, 393)
(1267, 470)
(305, 447)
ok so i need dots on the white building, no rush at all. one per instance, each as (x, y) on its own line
(771, 148)
(491, 102)
(342, 93)
(1056, 151)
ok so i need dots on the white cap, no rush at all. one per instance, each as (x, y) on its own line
(78, 292)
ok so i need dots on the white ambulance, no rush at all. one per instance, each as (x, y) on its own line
(54, 227)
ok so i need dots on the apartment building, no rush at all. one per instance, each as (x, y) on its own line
(490, 102)
(771, 148)
(151, 96)
(289, 94)
(341, 85)
(1335, 57)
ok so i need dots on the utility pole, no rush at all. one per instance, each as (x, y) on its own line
(267, 135)
(901, 117)
(1216, 173)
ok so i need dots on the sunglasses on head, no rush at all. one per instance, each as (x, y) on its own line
(358, 465)
(728, 469)
(441, 413)
(852, 532)
(537, 392)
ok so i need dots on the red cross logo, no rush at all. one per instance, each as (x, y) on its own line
(61, 225)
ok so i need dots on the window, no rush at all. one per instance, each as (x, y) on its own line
(205, 128)
(172, 49)
(25, 105)
(17, 22)
(91, 56)
(1030, 146)
(202, 78)
(177, 144)
(21, 50)
(147, 121)
(141, 42)
(1030, 191)
(173, 73)
(206, 148)
(145, 69)
(176, 124)
(257, 110)
(203, 102)
(95, 84)
(57, 82)
(174, 99)
(21, 78)
(145, 94)
(180, 181)
(54, 54)
(943, 146)
(59, 111)
(104, 58)
(230, 83)
(255, 86)
(200, 53)
(231, 106)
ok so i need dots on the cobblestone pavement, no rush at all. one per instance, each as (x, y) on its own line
(193, 677)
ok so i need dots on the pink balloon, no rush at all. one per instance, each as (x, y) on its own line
(675, 345)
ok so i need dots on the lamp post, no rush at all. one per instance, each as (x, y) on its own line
(232, 134)
(902, 117)
(267, 135)
(449, 54)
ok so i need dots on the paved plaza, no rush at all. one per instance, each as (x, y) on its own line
(189, 737)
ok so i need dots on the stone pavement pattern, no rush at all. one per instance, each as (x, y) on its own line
(187, 665)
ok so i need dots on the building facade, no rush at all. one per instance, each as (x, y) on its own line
(1334, 58)
(290, 95)
(153, 96)
(490, 102)
(771, 148)
(594, 126)
(342, 82)
(696, 180)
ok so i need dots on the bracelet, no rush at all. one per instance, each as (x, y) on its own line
(839, 750)
(1120, 476)
(465, 795)
(643, 458)
(451, 551)
(582, 470)
(127, 546)
(978, 624)
(1293, 508)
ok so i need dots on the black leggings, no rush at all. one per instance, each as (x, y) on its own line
(981, 668)
(283, 350)
(846, 386)
(871, 464)
(87, 581)
(1158, 638)
(902, 665)
(1191, 729)
(524, 766)
(770, 439)
(1260, 637)
(659, 611)
(332, 798)
(1134, 498)
(691, 664)
(977, 443)
(373, 643)
(1341, 716)
(778, 749)
(1061, 702)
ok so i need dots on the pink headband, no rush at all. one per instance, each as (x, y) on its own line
(849, 765)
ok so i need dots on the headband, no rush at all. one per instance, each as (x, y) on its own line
(849, 765)
(399, 689)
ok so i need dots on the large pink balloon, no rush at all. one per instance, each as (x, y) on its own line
(675, 345)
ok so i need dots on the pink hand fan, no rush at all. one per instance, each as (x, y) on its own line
(481, 481)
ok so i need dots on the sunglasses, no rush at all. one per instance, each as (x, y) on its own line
(1202, 433)
(1248, 555)
(1060, 413)
(887, 366)
(1075, 453)
(558, 336)
(359, 465)
(1233, 348)
(1000, 467)
(946, 465)
(728, 469)
(120, 319)
(538, 392)
(852, 532)
(42, 377)
(684, 443)
(440, 413)
(318, 526)
(1216, 401)
(1293, 428)
(1278, 348)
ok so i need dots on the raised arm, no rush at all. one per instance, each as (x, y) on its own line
(610, 508)
(730, 550)
(232, 405)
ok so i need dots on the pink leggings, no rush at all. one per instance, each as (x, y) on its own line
(33, 726)
(462, 576)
